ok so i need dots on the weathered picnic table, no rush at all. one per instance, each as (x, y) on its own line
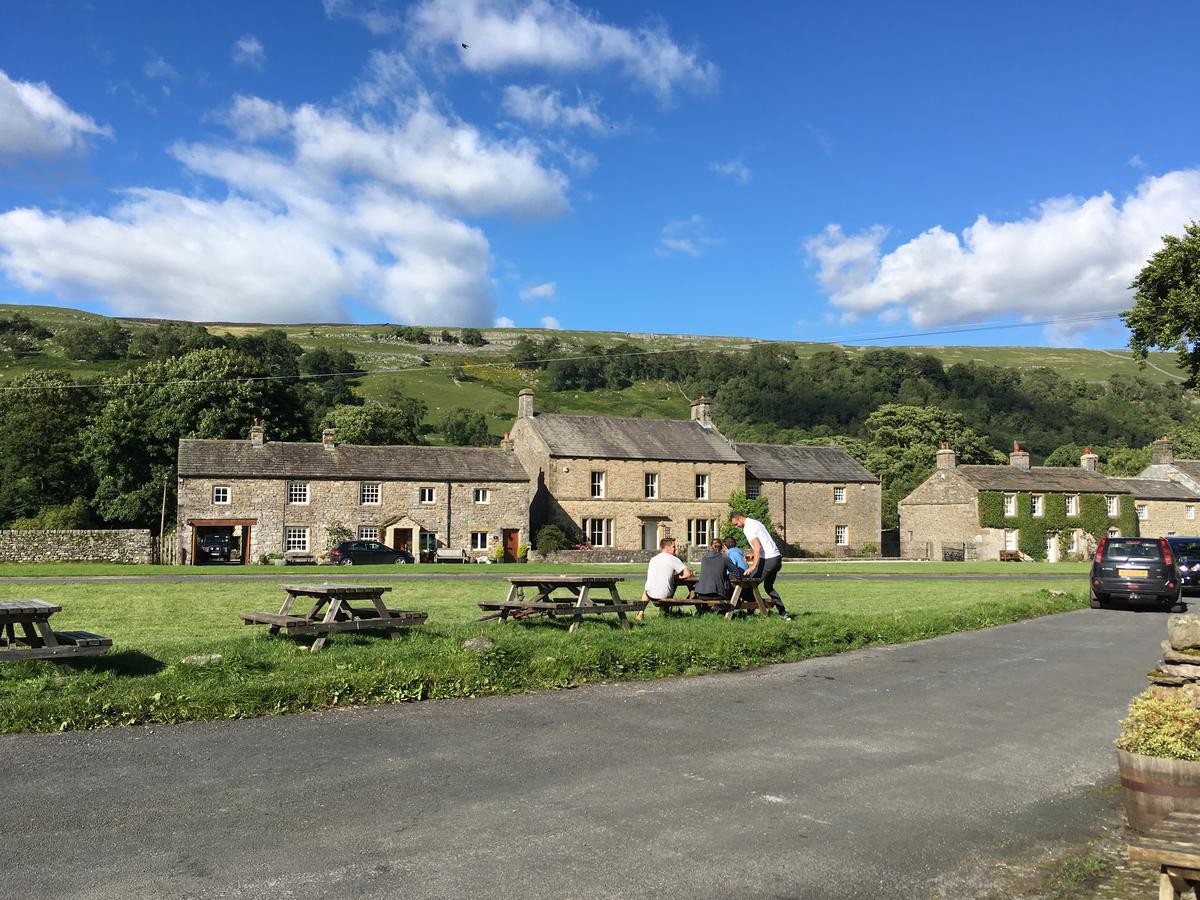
(543, 602)
(745, 596)
(40, 640)
(340, 614)
(1174, 845)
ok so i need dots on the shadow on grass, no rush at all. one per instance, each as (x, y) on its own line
(130, 663)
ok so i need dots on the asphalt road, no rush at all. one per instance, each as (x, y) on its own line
(897, 772)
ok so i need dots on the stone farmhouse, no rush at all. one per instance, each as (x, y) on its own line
(280, 497)
(621, 484)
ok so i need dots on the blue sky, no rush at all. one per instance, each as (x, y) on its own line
(816, 171)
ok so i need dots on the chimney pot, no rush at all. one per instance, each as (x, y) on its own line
(1018, 457)
(1089, 462)
(525, 403)
(702, 412)
(945, 457)
(1162, 452)
(257, 436)
(329, 439)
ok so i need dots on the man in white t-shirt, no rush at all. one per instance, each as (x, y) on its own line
(662, 574)
(765, 559)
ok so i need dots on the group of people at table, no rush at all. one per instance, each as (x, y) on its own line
(722, 560)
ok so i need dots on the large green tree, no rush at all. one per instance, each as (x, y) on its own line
(1166, 308)
(133, 441)
(465, 428)
(374, 424)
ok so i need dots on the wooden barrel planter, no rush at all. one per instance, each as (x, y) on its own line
(1156, 787)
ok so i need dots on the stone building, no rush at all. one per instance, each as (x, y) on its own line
(278, 497)
(943, 517)
(626, 483)
(823, 500)
(1164, 508)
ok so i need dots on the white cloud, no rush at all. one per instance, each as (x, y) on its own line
(371, 14)
(248, 51)
(688, 236)
(551, 323)
(539, 105)
(1070, 256)
(157, 67)
(347, 207)
(544, 291)
(387, 76)
(556, 34)
(735, 169)
(36, 123)
(504, 322)
(1136, 162)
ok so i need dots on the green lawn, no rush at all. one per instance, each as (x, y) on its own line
(155, 625)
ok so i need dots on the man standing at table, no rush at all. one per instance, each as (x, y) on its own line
(661, 574)
(765, 559)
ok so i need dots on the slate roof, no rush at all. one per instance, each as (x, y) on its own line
(1040, 478)
(621, 437)
(793, 462)
(1154, 489)
(1189, 467)
(284, 459)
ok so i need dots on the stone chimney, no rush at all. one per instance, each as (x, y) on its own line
(257, 437)
(702, 412)
(506, 443)
(329, 439)
(1018, 457)
(945, 457)
(1089, 462)
(1161, 452)
(525, 403)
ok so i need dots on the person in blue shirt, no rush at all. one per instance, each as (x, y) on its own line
(735, 554)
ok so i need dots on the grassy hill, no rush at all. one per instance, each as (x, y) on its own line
(450, 375)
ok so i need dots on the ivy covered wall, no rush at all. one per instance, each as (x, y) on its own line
(1093, 518)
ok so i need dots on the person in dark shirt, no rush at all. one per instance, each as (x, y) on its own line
(715, 569)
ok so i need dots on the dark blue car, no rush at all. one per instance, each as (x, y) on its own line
(1187, 553)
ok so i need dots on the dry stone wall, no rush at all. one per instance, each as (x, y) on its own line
(129, 545)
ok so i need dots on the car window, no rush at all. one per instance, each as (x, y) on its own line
(1122, 550)
(1186, 548)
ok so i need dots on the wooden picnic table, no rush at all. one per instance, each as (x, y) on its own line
(1174, 845)
(543, 602)
(339, 612)
(745, 596)
(40, 640)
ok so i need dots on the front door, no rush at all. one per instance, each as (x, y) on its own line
(402, 539)
(649, 535)
(512, 544)
(1010, 539)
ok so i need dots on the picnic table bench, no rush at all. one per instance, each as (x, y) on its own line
(1174, 844)
(40, 640)
(1010, 556)
(340, 614)
(745, 596)
(543, 603)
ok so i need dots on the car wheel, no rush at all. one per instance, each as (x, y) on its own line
(346, 562)
(400, 561)
(1095, 601)
(1179, 606)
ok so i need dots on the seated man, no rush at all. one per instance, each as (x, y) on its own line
(715, 569)
(736, 555)
(661, 574)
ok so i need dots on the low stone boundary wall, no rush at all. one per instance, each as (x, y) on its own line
(592, 556)
(120, 545)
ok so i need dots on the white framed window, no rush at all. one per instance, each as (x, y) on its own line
(651, 485)
(297, 492)
(597, 485)
(1142, 512)
(479, 540)
(1170, 534)
(1037, 505)
(839, 495)
(1114, 532)
(1051, 540)
(702, 487)
(1010, 504)
(481, 495)
(1189, 512)
(426, 495)
(598, 532)
(368, 532)
(368, 493)
(1072, 506)
(220, 493)
(295, 538)
(701, 531)
(1113, 504)
(1073, 546)
(841, 535)
(753, 489)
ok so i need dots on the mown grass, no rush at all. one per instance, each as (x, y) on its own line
(154, 626)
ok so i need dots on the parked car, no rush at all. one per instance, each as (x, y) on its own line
(1187, 557)
(1135, 570)
(362, 553)
(215, 547)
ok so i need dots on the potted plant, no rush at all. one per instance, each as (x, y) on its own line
(1158, 751)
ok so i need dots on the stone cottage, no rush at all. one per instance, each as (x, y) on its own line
(278, 497)
(823, 500)
(1168, 492)
(1013, 511)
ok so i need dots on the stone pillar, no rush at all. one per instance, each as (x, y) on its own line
(1018, 457)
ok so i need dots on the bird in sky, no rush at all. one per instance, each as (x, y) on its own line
(466, 47)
